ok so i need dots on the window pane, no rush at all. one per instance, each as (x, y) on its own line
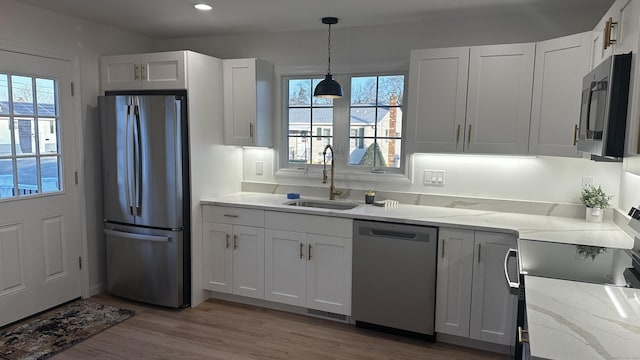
(27, 176)
(46, 95)
(299, 150)
(364, 118)
(390, 122)
(48, 136)
(363, 90)
(320, 101)
(25, 137)
(361, 152)
(22, 91)
(322, 117)
(6, 178)
(390, 90)
(299, 121)
(5, 137)
(4, 94)
(391, 151)
(318, 147)
(300, 92)
(50, 173)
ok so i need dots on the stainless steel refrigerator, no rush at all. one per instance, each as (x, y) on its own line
(146, 196)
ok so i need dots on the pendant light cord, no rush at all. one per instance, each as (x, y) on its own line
(329, 51)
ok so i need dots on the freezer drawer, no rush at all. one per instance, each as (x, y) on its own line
(145, 264)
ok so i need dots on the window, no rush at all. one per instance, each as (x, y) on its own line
(29, 141)
(375, 121)
(368, 120)
(310, 122)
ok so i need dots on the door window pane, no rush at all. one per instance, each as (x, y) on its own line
(5, 137)
(4, 94)
(48, 136)
(46, 97)
(7, 186)
(50, 173)
(22, 91)
(27, 176)
(25, 137)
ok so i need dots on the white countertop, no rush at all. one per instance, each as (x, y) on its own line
(573, 320)
(529, 227)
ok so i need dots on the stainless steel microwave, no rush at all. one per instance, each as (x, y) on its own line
(603, 112)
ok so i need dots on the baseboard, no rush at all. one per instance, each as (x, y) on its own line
(471, 343)
(96, 289)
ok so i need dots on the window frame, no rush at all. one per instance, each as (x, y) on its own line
(341, 136)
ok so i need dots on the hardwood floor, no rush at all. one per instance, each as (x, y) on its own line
(224, 330)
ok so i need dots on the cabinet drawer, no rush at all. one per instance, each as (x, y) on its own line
(233, 215)
(324, 225)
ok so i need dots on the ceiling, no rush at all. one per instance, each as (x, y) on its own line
(178, 18)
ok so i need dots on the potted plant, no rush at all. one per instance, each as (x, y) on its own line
(595, 199)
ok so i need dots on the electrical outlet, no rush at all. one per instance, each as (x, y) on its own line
(587, 181)
(434, 177)
(259, 167)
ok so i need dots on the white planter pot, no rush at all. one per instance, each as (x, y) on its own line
(594, 215)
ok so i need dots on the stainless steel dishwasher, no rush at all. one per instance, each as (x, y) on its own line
(394, 277)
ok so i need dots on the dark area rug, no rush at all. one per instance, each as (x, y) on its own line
(44, 335)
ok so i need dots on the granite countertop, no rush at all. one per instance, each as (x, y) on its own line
(529, 227)
(574, 320)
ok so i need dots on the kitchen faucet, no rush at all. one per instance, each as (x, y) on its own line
(332, 189)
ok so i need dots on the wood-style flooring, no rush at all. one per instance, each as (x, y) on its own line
(225, 330)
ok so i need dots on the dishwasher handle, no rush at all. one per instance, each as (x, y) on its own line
(391, 233)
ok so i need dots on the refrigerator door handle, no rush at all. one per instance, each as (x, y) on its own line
(127, 160)
(137, 160)
(140, 237)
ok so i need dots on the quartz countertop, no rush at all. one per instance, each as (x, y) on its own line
(574, 320)
(529, 227)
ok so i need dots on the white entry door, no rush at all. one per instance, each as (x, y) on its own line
(40, 236)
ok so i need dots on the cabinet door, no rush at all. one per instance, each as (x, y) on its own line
(164, 70)
(626, 31)
(598, 52)
(438, 99)
(329, 273)
(453, 290)
(493, 305)
(248, 261)
(499, 99)
(120, 72)
(239, 101)
(217, 257)
(559, 67)
(285, 267)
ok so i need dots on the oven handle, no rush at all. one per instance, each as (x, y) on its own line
(513, 285)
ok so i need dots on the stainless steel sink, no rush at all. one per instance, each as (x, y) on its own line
(323, 204)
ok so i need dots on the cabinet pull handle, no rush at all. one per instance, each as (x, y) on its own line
(250, 129)
(442, 249)
(479, 252)
(575, 135)
(235, 242)
(301, 254)
(228, 240)
(135, 72)
(608, 27)
(142, 72)
(512, 285)
(309, 251)
(458, 135)
(469, 136)
(521, 331)
(230, 215)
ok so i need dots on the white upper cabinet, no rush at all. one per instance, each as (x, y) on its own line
(617, 31)
(153, 71)
(438, 99)
(248, 102)
(559, 68)
(475, 100)
(499, 99)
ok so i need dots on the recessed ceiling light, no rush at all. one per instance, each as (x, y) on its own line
(203, 7)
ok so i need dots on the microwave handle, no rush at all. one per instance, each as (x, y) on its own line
(588, 117)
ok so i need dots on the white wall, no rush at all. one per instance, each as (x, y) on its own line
(37, 30)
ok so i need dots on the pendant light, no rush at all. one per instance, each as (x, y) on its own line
(328, 88)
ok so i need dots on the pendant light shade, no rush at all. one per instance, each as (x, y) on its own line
(328, 88)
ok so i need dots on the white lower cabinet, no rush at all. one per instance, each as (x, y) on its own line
(308, 261)
(472, 297)
(233, 255)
